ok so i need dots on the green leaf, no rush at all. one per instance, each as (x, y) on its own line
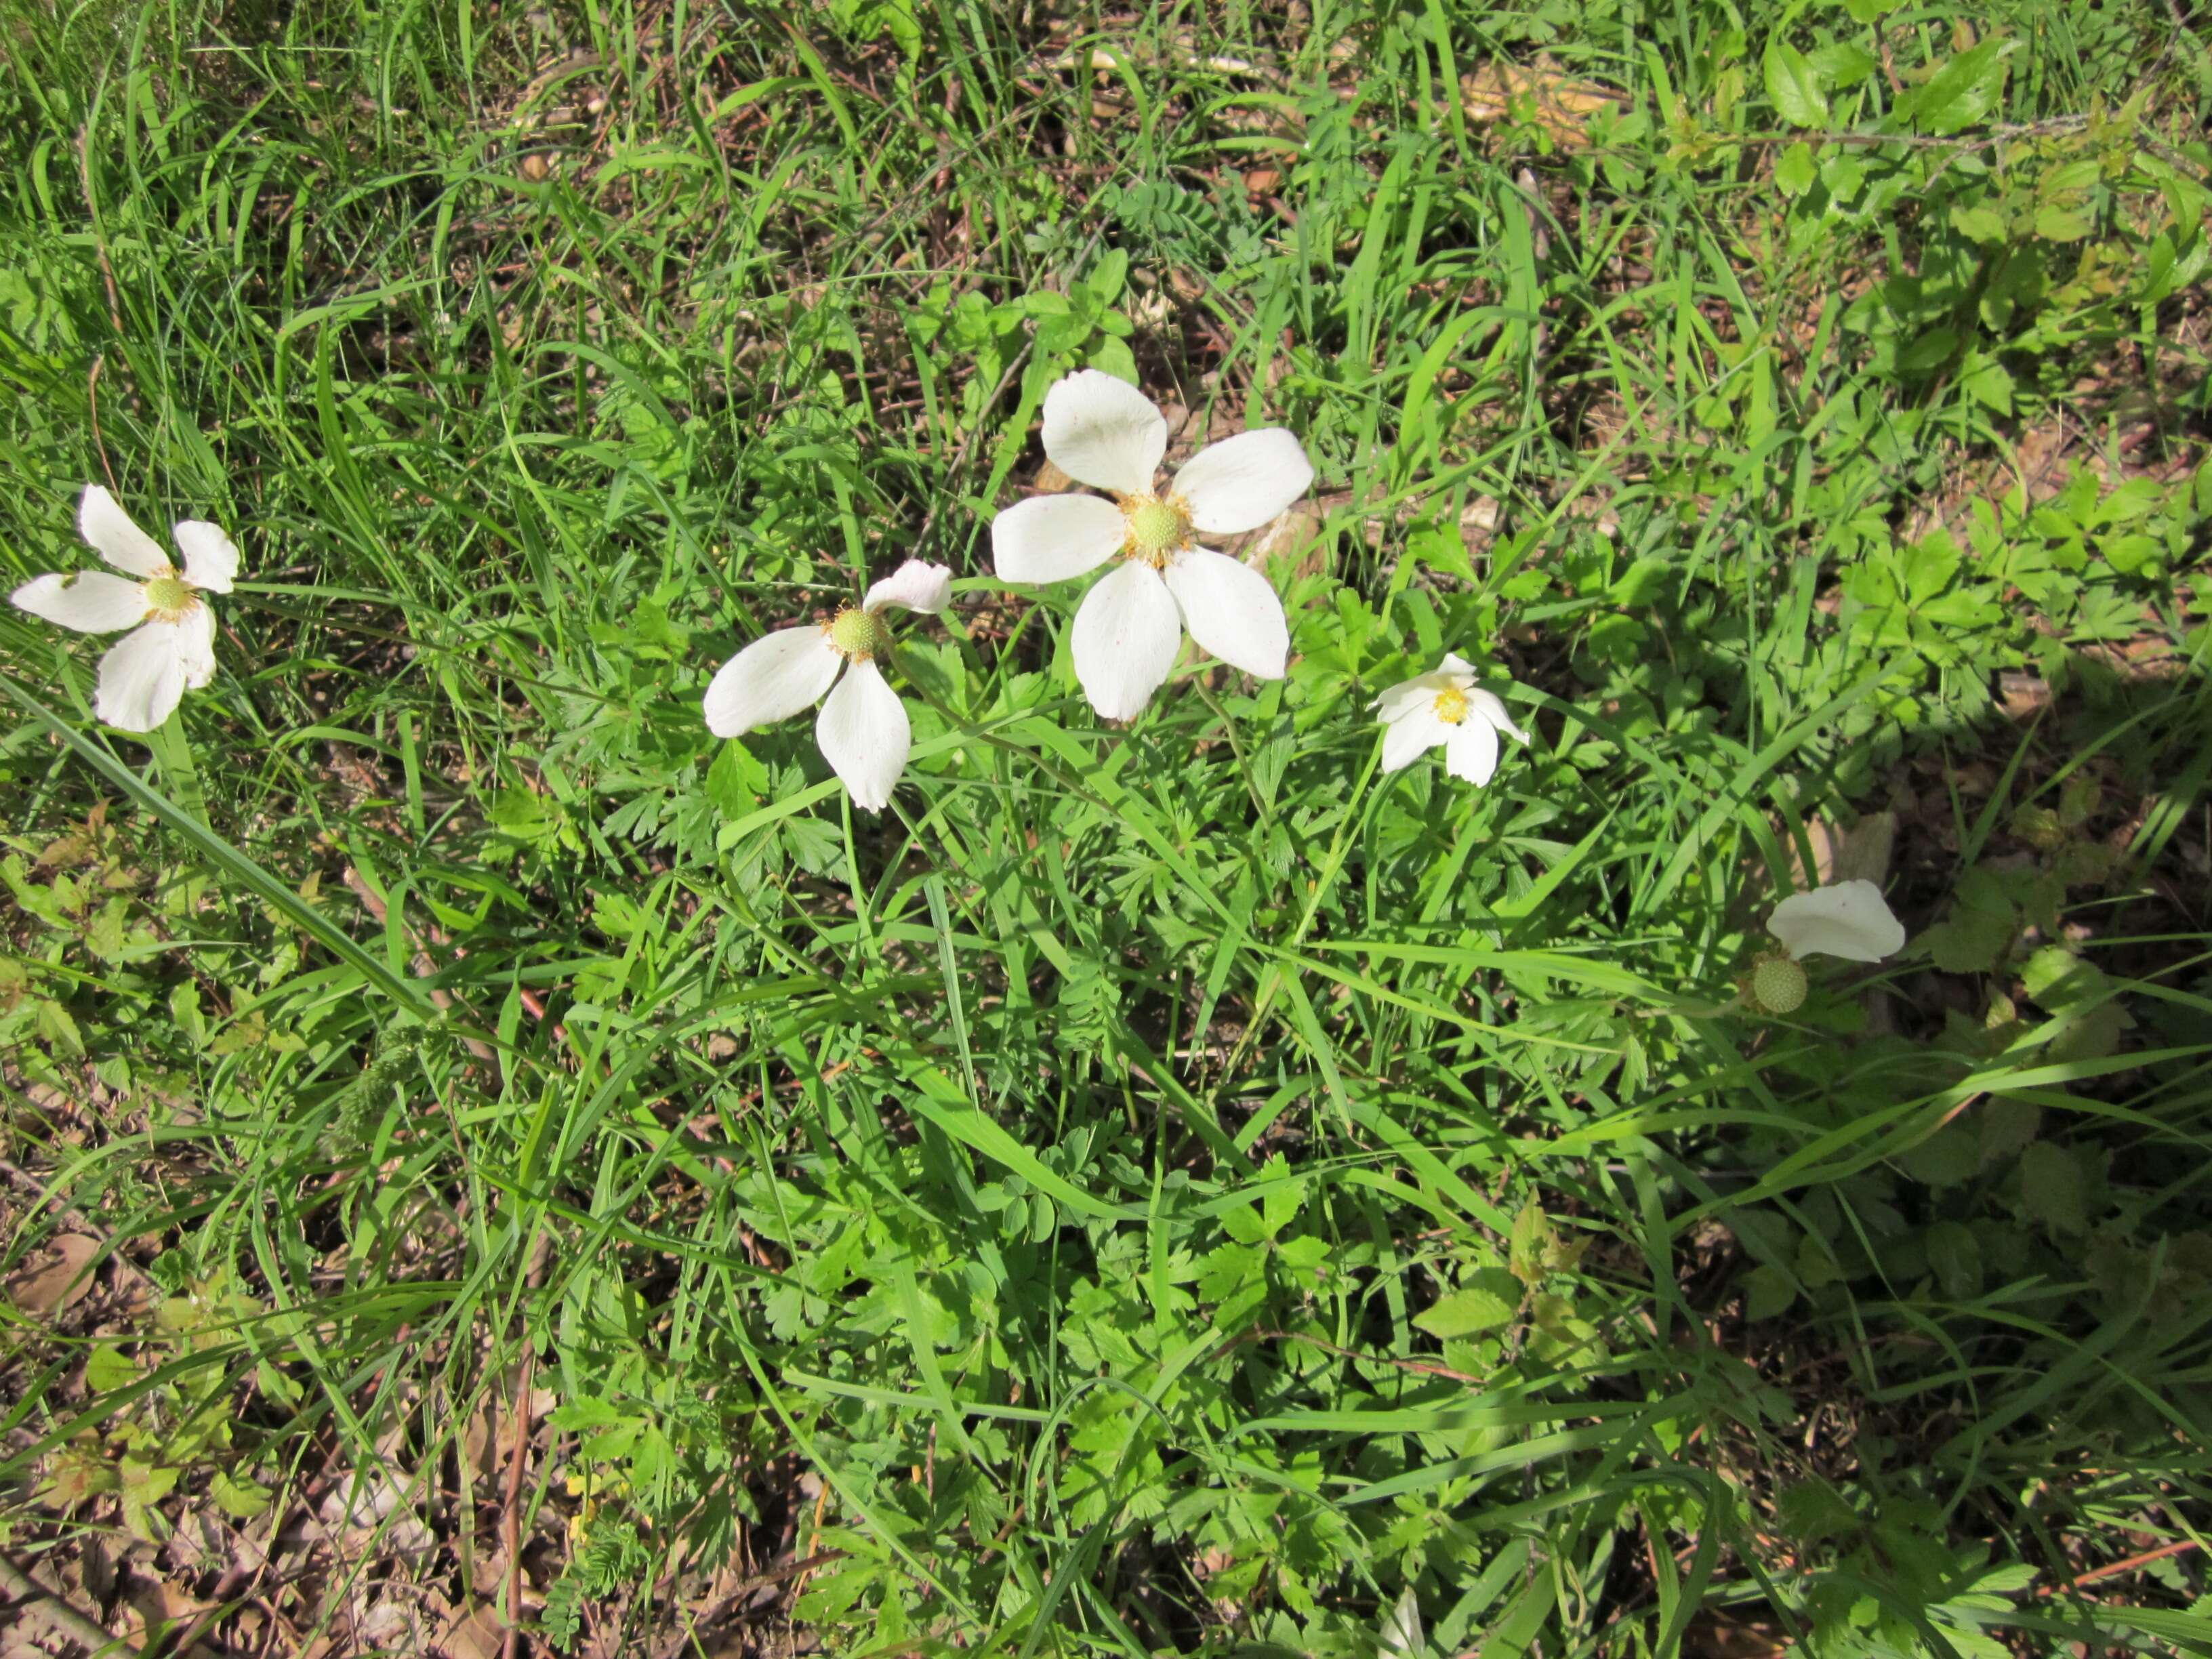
(1979, 224)
(1486, 1299)
(1794, 86)
(1946, 1158)
(239, 1499)
(1963, 92)
(1954, 1255)
(1768, 1292)
(2063, 224)
(1794, 174)
(2052, 1189)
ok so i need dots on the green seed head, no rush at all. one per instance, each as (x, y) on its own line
(859, 635)
(1155, 526)
(169, 597)
(1778, 985)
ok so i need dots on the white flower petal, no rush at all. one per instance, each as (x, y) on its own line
(1127, 634)
(916, 585)
(1407, 695)
(1473, 751)
(864, 735)
(210, 560)
(1243, 481)
(1412, 735)
(1485, 706)
(1103, 432)
(1454, 663)
(771, 679)
(90, 601)
(142, 678)
(1051, 538)
(1231, 610)
(1848, 919)
(103, 523)
(196, 647)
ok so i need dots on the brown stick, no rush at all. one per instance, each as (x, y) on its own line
(2119, 1567)
(512, 1522)
(99, 443)
(37, 1601)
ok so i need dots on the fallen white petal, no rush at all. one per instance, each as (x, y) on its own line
(916, 585)
(771, 679)
(1243, 481)
(90, 601)
(1230, 611)
(1051, 538)
(104, 524)
(1412, 735)
(1472, 753)
(210, 560)
(864, 735)
(1103, 432)
(1408, 694)
(142, 678)
(1127, 634)
(1486, 707)
(1848, 919)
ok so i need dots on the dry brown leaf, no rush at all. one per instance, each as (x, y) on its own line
(57, 1277)
(472, 1634)
(1540, 92)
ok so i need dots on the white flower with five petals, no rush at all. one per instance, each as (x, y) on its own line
(1846, 919)
(1103, 432)
(1446, 710)
(171, 648)
(862, 731)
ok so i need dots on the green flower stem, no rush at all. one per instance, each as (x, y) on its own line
(174, 769)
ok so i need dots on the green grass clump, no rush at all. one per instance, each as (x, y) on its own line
(1162, 1187)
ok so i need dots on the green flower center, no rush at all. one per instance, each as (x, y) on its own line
(1157, 528)
(1451, 705)
(1778, 985)
(859, 635)
(171, 597)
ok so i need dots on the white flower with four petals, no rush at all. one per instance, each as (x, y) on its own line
(171, 648)
(1446, 710)
(1846, 919)
(1103, 432)
(862, 730)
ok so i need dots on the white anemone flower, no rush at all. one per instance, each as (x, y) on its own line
(862, 730)
(1103, 432)
(1446, 709)
(171, 648)
(1847, 918)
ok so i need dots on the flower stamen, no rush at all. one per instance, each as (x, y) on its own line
(858, 634)
(1451, 705)
(170, 597)
(1158, 529)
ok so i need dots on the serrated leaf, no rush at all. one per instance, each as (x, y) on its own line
(239, 1499)
(1488, 1298)
(2052, 1189)
(1794, 174)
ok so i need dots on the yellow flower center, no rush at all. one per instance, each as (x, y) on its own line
(858, 635)
(1451, 705)
(170, 597)
(1157, 528)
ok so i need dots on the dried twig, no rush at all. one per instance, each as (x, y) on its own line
(511, 1520)
(36, 1601)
